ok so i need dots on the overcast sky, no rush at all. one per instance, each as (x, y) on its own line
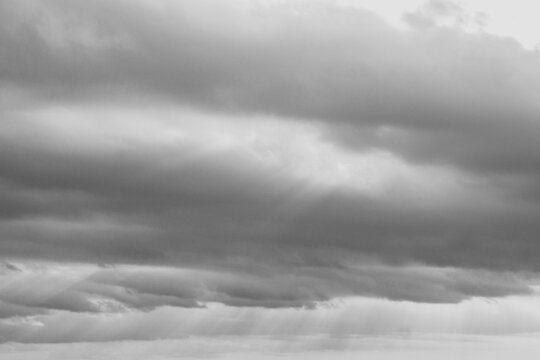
(312, 172)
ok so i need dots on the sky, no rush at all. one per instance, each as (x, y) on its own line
(268, 178)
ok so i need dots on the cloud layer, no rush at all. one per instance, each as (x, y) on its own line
(261, 154)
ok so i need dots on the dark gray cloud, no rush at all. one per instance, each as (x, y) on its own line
(42, 303)
(8, 311)
(148, 204)
(78, 185)
(77, 289)
(473, 104)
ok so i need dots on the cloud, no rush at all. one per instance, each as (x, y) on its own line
(8, 311)
(168, 192)
(316, 347)
(473, 92)
(352, 317)
(275, 156)
(88, 289)
(436, 13)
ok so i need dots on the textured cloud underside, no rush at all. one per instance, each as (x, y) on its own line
(186, 154)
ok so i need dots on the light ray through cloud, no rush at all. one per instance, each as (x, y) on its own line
(258, 179)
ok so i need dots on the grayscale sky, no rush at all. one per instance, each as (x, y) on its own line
(261, 178)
